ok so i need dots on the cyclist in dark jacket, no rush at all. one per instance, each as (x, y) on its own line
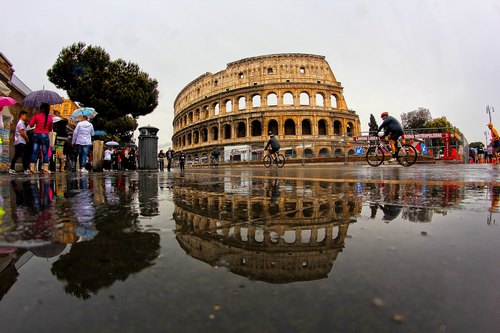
(392, 131)
(273, 146)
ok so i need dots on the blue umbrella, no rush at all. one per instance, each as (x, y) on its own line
(99, 132)
(38, 97)
(78, 114)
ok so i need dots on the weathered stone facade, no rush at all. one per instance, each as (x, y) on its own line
(295, 96)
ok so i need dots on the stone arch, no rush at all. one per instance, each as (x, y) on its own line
(215, 133)
(189, 137)
(320, 100)
(216, 109)
(272, 126)
(190, 117)
(196, 137)
(204, 134)
(256, 101)
(229, 105)
(242, 103)
(256, 128)
(338, 152)
(197, 115)
(241, 130)
(304, 98)
(289, 127)
(272, 99)
(206, 112)
(334, 101)
(322, 129)
(227, 131)
(308, 152)
(337, 127)
(350, 129)
(324, 152)
(288, 98)
(306, 127)
(351, 152)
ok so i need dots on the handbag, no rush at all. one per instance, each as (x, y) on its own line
(52, 138)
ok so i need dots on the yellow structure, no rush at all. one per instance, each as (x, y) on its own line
(65, 109)
(296, 96)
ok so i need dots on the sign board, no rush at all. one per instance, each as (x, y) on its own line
(359, 150)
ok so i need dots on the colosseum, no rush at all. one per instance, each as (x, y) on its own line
(295, 96)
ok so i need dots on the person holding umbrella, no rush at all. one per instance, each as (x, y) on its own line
(43, 125)
(82, 137)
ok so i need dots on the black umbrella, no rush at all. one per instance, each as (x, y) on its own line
(38, 97)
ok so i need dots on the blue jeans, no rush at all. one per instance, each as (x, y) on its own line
(83, 152)
(40, 140)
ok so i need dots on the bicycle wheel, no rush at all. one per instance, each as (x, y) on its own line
(406, 155)
(375, 156)
(267, 161)
(280, 160)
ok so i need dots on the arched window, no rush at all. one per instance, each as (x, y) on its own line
(215, 133)
(337, 127)
(205, 111)
(189, 139)
(322, 127)
(288, 99)
(256, 128)
(216, 109)
(289, 127)
(306, 127)
(272, 126)
(197, 115)
(229, 106)
(323, 152)
(227, 131)
(304, 99)
(256, 101)
(334, 101)
(204, 135)
(272, 99)
(241, 130)
(320, 101)
(308, 152)
(190, 117)
(242, 103)
(350, 129)
(195, 137)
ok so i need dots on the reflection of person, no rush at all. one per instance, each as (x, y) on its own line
(390, 212)
(161, 160)
(495, 141)
(20, 141)
(43, 123)
(170, 157)
(70, 154)
(392, 131)
(107, 158)
(272, 145)
(82, 137)
(182, 160)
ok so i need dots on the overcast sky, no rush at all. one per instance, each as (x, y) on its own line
(390, 55)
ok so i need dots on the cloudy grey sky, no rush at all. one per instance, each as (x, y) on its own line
(390, 55)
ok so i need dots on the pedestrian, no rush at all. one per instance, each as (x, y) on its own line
(70, 154)
(43, 125)
(170, 157)
(495, 141)
(20, 142)
(161, 160)
(108, 153)
(82, 137)
(182, 160)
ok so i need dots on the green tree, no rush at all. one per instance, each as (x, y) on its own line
(372, 125)
(118, 90)
(416, 119)
(476, 144)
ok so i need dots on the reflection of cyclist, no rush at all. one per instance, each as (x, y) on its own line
(273, 146)
(392, 131)
(215, 154)
(390, 212)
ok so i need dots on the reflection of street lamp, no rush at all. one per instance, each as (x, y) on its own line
(486, 136)
(489, 110)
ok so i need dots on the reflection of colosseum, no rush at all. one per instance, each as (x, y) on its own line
(295, 96)
(275, 238)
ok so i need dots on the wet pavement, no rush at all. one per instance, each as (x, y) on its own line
(320, 248)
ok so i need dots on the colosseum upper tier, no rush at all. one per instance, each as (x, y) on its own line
(295, 96)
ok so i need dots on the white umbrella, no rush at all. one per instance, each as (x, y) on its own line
(112, 143)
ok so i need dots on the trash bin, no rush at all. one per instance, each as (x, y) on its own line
(148, 148)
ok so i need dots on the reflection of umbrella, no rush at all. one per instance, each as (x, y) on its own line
(55, 119)
(48, 251)
(112, 143)
(78, 114)
(38, 97)
(6, 101)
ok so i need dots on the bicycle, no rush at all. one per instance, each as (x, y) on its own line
(279, 160)
(214, 162)
(406, 154)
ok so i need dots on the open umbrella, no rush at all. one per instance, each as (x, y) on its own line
(38, 97)
(78, 114)
(99, 132)
(112, 143)
(6, 101)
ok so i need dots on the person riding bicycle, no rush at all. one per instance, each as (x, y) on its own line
(215, 154)
(392, 131)
(273, 146)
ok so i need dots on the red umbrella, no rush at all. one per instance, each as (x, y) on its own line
(6, 101)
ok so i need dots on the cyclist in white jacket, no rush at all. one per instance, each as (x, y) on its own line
(82, 138)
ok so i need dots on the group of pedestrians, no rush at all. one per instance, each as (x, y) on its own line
(117, 160)
(169, 155)
(32, 144)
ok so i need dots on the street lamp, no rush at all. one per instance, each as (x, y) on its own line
(489, 110)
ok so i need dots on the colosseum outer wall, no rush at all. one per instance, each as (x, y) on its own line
(295, 96)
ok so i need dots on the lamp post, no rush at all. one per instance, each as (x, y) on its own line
(489, 110)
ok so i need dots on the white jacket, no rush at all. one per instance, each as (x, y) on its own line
(83, 133)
